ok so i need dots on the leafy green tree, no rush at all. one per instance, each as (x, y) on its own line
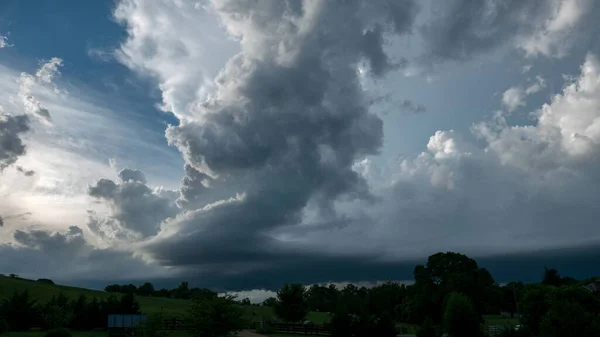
(569, 318)
(291, 303)
(534, 305)
(146, 289)
(387, 299)
(246, 301)
(460, 318)
(450, 272)
(218, 316)
(19, 310)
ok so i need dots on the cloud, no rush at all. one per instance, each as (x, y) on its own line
(136, 210)
(11, 144)
(177, 42)
(461, 29)
(4, 42)
(27, 173)
(43, 76)
(410, 106)
(66, 255)
(514, 97)
(281, 131)
(554, 36)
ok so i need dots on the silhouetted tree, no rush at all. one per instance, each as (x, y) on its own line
(214, 316)
(460, 318)
(19, 310)
(291, 303)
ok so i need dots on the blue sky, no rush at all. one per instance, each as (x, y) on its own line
(215, 141)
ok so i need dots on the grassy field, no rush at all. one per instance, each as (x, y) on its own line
(256, 313)
(44, 292)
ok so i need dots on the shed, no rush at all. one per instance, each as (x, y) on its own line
(124, 321)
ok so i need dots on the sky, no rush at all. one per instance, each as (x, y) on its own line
(241, 145)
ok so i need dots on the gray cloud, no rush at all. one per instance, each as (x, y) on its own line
(27, 173)
(11, 144)
(270, 191)
(67, 256)
(286, 122)
(134, 206)
(461, 29)
(410, 106)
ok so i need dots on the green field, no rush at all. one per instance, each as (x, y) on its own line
(44, 292)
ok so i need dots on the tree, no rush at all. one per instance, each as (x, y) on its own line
(460, 318)
(217, 316)
(551, 278)
(245, 301)
(80, 314)
(19, 310)
(146, 289)
(534, 305)
(269, 302)
(569, 318)
(291, 303)
(57, 313)
(129, 305)
(450, 272)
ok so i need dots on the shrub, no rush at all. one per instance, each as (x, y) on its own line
(45, 280)
(60, 332)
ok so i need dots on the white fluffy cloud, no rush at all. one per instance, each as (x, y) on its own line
(177, 42)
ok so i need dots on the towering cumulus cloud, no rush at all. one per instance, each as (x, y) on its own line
(282, 129)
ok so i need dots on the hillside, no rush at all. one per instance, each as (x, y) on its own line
(44, 292)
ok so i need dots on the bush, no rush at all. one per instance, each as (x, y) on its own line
(58, 333)
(45, 280)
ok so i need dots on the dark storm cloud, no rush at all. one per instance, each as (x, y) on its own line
(11, 144)
(67, 256)
(283, 129)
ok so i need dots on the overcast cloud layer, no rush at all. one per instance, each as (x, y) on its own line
(281, 136)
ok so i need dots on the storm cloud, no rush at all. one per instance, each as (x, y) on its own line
(287, 121)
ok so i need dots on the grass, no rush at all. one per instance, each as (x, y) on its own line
(499, 320)
(255, 314)
(43, 292)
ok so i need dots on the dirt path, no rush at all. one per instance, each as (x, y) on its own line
(249, 334)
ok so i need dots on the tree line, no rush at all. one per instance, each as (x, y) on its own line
(451, 294)
(20, 311)
(183, 291)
